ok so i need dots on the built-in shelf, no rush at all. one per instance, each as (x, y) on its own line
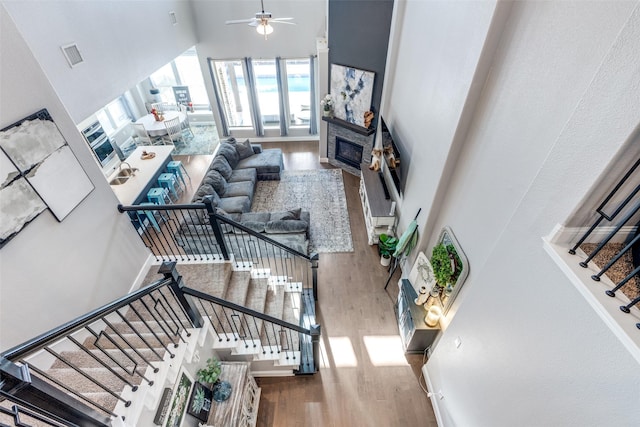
(355, 128)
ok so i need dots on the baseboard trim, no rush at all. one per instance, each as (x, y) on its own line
(433, 397)
(562, 235)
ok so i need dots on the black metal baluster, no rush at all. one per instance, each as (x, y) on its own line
(627, 308)
(135, 311)
(84, 374)
(155, 319)
(80, 396)
(613, 233)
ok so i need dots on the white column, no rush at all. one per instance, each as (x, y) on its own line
(323, 88)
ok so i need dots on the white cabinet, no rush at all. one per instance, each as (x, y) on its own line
(379, 212)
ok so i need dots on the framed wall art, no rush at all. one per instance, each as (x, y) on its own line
(179, 399)
(43, 158)
(351, 91)
(19, 203)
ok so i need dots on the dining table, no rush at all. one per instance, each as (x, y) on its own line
(157, 128)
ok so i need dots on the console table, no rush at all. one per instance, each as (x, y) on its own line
(416, 336)
(379, 217)
(241, 409)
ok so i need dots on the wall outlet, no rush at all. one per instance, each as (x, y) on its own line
(457, 342)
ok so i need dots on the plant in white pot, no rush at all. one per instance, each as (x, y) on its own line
(327, 105)
(387, 246)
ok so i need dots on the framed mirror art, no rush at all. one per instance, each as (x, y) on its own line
(442, 274)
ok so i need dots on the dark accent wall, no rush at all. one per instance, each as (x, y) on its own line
(359, 37)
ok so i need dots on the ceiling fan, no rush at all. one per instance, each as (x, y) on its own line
(262, 21)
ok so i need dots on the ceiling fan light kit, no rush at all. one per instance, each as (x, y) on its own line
(262, 22)
(264, 29)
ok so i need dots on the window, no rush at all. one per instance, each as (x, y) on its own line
(299, 89)
(183, 71)
(115, 115)
(267, 90)
(236, 98)
(233, 93)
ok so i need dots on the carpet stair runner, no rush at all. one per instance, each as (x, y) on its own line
(129, 353)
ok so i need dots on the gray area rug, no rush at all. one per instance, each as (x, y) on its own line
(321, 192)
(205, 139)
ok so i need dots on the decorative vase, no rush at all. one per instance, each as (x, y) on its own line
(326, 113)
(221, 391)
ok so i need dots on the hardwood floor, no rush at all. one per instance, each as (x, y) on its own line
(365, 379)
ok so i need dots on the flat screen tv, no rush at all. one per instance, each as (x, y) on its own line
(395, 160)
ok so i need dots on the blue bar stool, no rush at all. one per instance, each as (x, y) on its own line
(157, 195)
(149, 214)
(177, 168)
(168, 180)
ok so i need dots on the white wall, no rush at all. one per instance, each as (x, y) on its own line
(220, 41)
(559, 102)
(435, 52)
(121, 42)
(54, 271)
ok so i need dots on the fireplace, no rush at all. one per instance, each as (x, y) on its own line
(348, 152)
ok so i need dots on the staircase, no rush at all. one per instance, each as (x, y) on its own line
(118, 364)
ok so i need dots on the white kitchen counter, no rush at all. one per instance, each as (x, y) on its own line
(128, 192)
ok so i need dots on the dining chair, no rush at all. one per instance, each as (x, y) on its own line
(142, 137)
(174, 131)
(186, 127)
(160, 107)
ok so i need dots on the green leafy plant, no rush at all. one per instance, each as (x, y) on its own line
(443, 269)
(211, 372)
(198, 401)
(387, 245)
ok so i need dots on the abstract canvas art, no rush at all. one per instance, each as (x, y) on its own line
(43, 158)
(351, 91)
(19, 203)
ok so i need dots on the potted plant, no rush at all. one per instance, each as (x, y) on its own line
(441, 263)
(386, 246)
(327, 105)
(445, 262)
(210, 373)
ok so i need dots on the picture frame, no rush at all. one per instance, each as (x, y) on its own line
(351, 90)
(179, 399)
(38, 150)
(200, 402)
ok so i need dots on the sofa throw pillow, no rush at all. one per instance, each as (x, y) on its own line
(284, 215)
(244, 149)
(221, 165)
(216, 180)
(203, 190)
(286, 226)
(257, 226)
(229, 152)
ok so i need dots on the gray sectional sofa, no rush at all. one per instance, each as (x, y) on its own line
(231, 182)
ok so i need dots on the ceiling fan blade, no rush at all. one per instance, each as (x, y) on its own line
(281, 19)
(282, 22)
(240, 21)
